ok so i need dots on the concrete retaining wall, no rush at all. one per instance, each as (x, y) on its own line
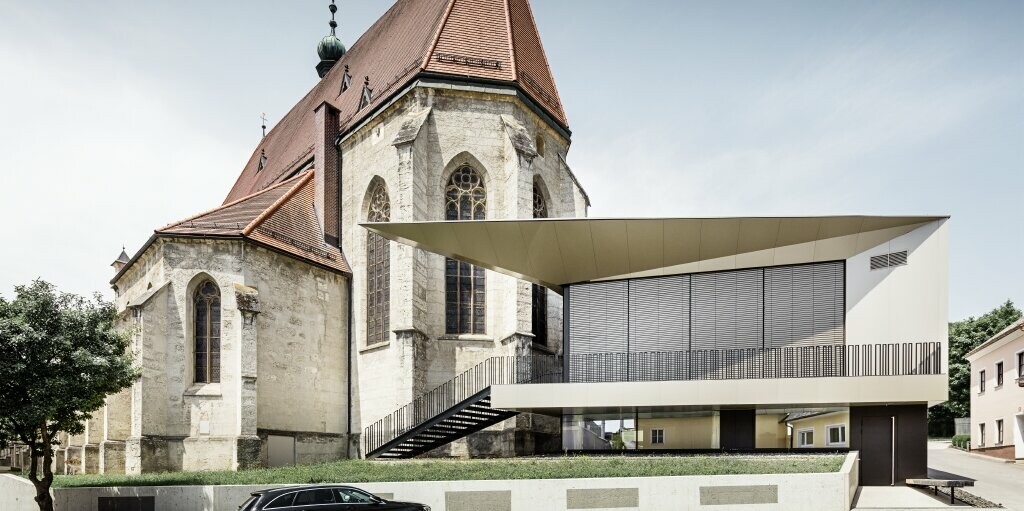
(789, 492)
(17, 494)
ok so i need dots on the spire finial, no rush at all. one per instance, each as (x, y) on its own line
(334, 9)
(263, 118)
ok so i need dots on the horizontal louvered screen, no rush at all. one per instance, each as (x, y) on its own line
(598, 317)
(804, 305)
(786, 306)
(727, 310)
(659, 314)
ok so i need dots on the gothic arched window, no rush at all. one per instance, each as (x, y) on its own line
(539, 296)
(378, 269)
(465, 298)
(206, 328)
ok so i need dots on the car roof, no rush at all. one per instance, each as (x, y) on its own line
(273, 492)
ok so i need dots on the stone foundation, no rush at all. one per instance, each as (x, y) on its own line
(248, 452)
(111, 457)
(91, 459)
(1006, 452)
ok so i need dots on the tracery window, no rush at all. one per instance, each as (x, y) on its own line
(465, 297)
(378, 269)
(539, 295)
(206, 328)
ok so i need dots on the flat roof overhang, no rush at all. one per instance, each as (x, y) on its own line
(561, 251)
(556, 398)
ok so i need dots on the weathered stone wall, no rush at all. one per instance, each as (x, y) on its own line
(302, 361)
(414, 146)
(283, 352)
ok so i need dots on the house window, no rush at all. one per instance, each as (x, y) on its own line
(981, 434)
(378, 269)
(999, 374)
(981, 381)
(999, 432)
(835, 435)
(539, 294)
(1020, 365)
(206, 328)
(465, 297)
(657, 436)
(805, 437)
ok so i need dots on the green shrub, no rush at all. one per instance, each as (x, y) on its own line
(962, 441)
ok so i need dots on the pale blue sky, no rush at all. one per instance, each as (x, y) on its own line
(118, 117)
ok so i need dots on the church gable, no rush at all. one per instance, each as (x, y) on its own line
(281, 218)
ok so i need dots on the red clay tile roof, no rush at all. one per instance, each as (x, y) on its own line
(482, 39)
(281, 217)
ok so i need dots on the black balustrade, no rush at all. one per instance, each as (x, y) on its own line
(833, 360)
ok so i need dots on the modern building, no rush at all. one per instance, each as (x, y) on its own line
(997, 394)
(713, 334)
(274, 330)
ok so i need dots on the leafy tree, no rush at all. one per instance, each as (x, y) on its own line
(964, 336)
(60, 356)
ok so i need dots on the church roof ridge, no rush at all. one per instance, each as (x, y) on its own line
(303, 178)
(488, 40)
(232, 203)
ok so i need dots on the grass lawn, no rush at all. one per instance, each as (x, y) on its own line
(361, 471)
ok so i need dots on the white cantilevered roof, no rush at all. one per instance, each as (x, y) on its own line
(560, 251)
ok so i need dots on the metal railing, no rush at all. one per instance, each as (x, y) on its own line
(896, 359)
(504, 370)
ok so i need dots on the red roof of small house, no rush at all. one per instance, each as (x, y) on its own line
(494, 40)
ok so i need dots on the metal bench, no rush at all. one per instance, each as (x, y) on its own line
(952, 484)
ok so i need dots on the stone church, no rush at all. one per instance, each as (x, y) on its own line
(273, 328)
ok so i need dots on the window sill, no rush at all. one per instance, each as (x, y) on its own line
(997, 387)
(836, 445)
(466, 337)
(374, 347)
(204, 390)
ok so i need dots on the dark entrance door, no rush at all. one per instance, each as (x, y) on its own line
(876, 455)
(736, 429)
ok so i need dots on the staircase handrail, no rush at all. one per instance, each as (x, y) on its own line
(498, 370)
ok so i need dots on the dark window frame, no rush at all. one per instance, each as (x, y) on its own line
(999, 374)
(378, 269)
(539, 294)
(981, 381)
(465, 283)
(657, 436)
(206, 332)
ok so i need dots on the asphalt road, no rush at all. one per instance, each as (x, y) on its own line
(995, 480)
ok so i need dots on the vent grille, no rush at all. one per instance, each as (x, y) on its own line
(889, 260)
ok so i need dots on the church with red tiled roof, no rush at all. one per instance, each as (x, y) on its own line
(274, 329)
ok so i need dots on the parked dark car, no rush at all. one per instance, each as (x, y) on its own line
(330, 497)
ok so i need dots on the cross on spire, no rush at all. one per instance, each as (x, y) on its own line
(263, 117)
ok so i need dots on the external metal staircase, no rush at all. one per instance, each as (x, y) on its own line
(456, 408)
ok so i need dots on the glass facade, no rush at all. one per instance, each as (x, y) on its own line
(817, 428)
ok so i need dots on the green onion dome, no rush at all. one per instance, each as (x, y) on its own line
(330, 48)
